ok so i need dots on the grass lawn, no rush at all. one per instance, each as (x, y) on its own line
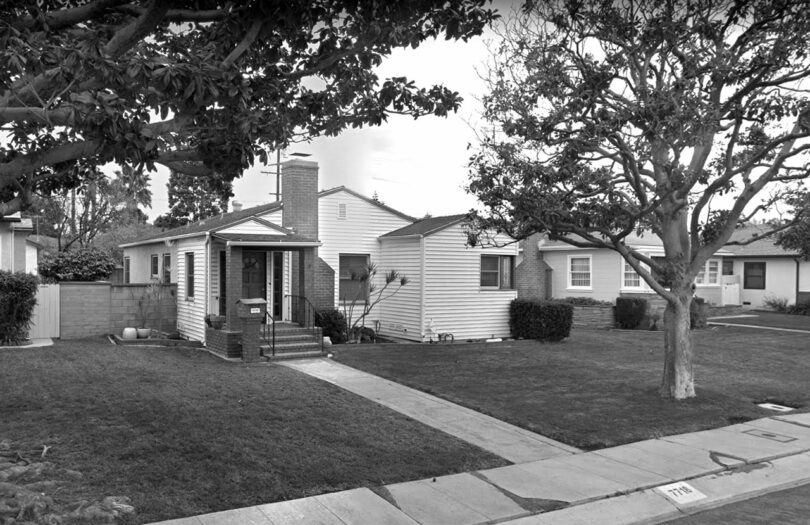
(772, 319)
(182, 433)
(600, 388)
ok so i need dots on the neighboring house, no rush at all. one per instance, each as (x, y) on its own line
(602, 274)
(764, 270)
(18, 253)
(308, 245)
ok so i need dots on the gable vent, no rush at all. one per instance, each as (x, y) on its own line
(341, 210)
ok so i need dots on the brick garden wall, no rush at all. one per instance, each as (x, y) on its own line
(101, 308)
(593, 317)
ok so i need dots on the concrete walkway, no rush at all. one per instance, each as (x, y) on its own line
(508, 441)
(718, 322)
(645, 482)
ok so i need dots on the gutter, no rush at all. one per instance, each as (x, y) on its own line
(271, 244)
(207, 267)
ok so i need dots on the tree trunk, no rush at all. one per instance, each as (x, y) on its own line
(678, 381)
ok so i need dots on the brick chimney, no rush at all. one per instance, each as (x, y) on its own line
(299, 193)
(236, 206)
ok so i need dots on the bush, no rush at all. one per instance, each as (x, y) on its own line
(802, 308)
(777, 304)
(18, 296)
(698, 313)
(84, 264)
(333, 323)
(585, 301)
(363, 334)
(543, 320)
(630, 311)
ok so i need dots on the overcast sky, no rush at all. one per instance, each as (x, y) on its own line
(415, 166)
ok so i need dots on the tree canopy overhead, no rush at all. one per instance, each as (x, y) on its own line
(682, 118)
(200, 86)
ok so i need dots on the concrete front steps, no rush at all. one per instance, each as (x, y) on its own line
(292, 342)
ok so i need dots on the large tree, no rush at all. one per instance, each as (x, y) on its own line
(194, 198)
(200, 86)
(682, 118)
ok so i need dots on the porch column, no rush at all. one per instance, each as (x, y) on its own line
(233, 286)
(306, 278)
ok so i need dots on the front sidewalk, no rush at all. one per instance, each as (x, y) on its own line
(625, 484)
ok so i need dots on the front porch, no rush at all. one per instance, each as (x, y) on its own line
(279, 272)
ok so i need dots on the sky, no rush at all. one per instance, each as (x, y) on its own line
(415, 166)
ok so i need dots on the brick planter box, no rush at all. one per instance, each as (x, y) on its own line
(227, 343)
(593, 317)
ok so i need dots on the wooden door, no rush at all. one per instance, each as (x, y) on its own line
(254, 275)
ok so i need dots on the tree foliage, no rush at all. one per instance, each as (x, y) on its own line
(680, 118)
(203, 86)
(194, 198)
(81, 264)
(18, 297)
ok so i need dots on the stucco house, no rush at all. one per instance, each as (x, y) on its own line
(18, 253)
(308, 244)
(735, 275)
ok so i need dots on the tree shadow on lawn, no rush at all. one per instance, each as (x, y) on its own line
(183, 433)
(600, 388)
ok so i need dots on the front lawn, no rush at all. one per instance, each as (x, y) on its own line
(600, 388)
(772, 319)
(181, 432)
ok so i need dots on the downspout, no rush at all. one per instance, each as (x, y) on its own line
(422, 288)
(796, 297)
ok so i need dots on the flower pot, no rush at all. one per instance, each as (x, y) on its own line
(129, 333)
(144, 333)
(217, 324)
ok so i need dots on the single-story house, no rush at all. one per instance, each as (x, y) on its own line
(18, 253)
(764, 270)
(308, 245)
(735, 275)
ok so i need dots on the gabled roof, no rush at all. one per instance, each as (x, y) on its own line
(224, 220)
(761, 248)
(426, 227)
(367, 199)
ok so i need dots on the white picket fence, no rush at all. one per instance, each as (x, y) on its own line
(45, 321)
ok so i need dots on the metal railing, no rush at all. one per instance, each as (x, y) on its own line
(299, 310)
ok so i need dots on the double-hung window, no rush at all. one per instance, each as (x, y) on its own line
(497, 271)
(710, 273)
(630, 278)
(126, 270)
(167, 268)
(754, 275)
(579, 272)
(154, 267)
(189, 275)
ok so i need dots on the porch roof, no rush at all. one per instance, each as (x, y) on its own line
(279, 240)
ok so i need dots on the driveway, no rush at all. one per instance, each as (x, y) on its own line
(766, 320)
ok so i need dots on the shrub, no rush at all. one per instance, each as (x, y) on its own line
(585, 301)
(630, 311)
(333, 323)
(802, 308)
(84, 264)
(543, 320)
(777, 304)
(698, 313)
(18, 296)
(363, 334)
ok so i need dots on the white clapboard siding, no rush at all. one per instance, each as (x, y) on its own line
(273, 216)
(357, 233)
(401, 315)
(45, 321)
(453, 297)
(191, 311)
(606, 268)
(804, 276)
(251, 226)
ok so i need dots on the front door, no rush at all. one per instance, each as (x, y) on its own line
(278, 280)
(254, 275)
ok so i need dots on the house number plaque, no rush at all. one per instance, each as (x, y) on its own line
(255, 310)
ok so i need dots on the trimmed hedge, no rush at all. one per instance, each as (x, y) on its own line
(333, 323)
(543, 320)
(18, 296)
(584, 301)
(630, 311)
(802, 308)
(84, 264)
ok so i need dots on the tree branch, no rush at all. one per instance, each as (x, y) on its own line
(247, 41)
(133, 32)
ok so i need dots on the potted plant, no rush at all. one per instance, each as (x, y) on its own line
(215, 321)
(149, 295)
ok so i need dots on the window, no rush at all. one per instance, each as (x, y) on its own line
(154, 267)
(167, 268)
(709, 274)
(189, 275)
(341, 210)
(497, 271)
(754, 275)
(728, 267)
(579, 272)
(126, 270)
(351, 269)
(630, 278)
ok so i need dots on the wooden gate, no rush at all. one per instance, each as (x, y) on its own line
(45, 321)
